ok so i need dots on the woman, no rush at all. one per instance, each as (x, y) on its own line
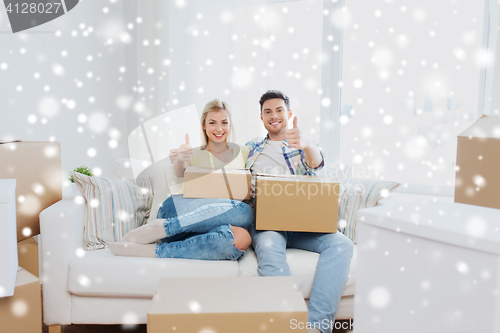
(211, 229)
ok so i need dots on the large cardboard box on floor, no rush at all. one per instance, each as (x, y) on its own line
(217, 183)
(23, 311)
(478, 164)
(37, 168)
(8, 246)
(297, 203)
(27, 252)
(227, 305)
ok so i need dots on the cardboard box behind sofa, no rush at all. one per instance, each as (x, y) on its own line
(27, 252)
(217, 183)
(37, 168)
(297, 203)
(478, 164)
(23, 311)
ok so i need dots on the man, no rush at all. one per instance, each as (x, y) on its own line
(287, 151)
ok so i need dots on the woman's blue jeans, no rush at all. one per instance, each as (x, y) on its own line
(201, 228)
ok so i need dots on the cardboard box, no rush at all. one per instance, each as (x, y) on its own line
(8, 244)
(28, 255)
(219, 183)
(23, 311)
(297, 203)
(478, 159)
(226, 305)
(37, 168)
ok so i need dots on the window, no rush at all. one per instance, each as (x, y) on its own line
(235, 50)
(411, 72)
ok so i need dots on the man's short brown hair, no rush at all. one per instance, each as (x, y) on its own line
(272, 94)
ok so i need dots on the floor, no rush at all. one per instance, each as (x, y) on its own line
(142, 328)
(138, 328)
(99, 329)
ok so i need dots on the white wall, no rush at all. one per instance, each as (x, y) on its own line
(494, 106)
(492, 74)
(52, 90)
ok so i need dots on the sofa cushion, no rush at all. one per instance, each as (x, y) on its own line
(302, 266)
(100, 273)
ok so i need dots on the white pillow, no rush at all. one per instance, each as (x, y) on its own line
(112, 207)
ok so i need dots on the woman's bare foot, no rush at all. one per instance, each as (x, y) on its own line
(147, 233)
(133, 250)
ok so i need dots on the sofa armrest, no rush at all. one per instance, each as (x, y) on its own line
(61, 228)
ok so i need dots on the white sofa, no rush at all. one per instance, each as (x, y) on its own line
(96, 287)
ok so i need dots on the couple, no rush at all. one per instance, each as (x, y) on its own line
(223, 233)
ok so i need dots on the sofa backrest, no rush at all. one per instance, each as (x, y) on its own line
(166, 182)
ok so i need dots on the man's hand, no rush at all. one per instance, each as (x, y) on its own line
(185, 151)
(173, 155)
(295, 138)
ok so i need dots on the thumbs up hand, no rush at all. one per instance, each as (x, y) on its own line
(185, 151)
(173, 155)
(295, 139)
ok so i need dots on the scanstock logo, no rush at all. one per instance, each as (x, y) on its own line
(26, 14)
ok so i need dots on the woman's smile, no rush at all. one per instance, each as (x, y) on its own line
(219, 136)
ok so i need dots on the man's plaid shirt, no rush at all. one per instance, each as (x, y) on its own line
(295, 158)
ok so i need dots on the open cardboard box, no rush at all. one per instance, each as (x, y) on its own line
(227, 305)
(297, 203)
(217, 183)
(478, 164)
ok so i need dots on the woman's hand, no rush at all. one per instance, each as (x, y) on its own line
(173, 155)
(185, 151)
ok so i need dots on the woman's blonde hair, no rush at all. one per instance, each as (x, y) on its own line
(215, 105)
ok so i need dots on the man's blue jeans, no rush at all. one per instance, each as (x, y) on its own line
(332, 269)
(201, 228)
